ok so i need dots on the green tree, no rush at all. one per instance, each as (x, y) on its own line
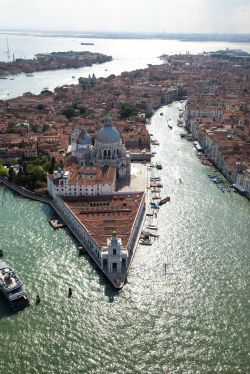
(82, 109)
(3, 172)
(40, 106)
(128, 110)
(46, 92)
(69, 112)
(12, 131)
(85, 86)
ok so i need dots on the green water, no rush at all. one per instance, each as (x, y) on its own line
(184, 309)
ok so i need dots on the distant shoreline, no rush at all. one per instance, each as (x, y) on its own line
(52, 61)
(231, 38)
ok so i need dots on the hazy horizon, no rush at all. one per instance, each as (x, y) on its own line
(137, 16)
(73, 31)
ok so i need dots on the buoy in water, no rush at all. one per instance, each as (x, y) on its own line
(70, 292)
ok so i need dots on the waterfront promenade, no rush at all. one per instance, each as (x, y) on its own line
(117, 279)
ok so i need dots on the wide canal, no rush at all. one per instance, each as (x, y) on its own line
(185, 307)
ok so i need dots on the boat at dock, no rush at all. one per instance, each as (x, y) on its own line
(153, 185)
(163, 201)
(156, 198)
(155, 179)
(12, 288)
(145, 242)
(154, 206)
(152, 227)
(155, 142)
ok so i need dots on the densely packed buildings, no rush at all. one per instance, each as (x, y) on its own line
(217, 111)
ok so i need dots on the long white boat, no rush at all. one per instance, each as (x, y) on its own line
(151, 227)
(12, 288)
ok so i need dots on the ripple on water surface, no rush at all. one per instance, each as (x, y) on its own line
(184, 308)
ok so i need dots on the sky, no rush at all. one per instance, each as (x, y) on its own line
(170, 16)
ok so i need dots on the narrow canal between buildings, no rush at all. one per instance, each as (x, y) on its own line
(185, 307)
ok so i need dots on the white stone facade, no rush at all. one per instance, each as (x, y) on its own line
(61, 185)
(107, 151)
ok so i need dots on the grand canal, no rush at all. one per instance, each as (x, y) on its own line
(185, 307)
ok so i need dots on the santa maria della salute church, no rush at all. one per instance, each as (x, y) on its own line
(107, 151)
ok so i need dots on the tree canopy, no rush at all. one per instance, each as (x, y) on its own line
(128, 110)
(69, 112)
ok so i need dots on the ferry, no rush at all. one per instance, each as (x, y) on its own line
(11, 288)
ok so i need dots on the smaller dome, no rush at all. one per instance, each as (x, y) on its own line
(83, 150)
(83, 137)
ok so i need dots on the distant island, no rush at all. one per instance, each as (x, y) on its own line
(186, 37)
(230, 54)
(52, 61)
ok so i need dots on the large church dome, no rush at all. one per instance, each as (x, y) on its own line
(83, 138)
(108, 134)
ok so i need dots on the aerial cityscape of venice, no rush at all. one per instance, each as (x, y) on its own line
(125, 187)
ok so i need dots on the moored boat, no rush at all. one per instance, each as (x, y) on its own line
(12, 288)
(163, 201)
(155, 142)
(145, 242)
(152, 227)
(155, 179)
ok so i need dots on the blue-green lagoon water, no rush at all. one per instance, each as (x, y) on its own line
(185, 307)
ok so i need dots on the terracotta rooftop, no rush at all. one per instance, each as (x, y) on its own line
(92, 175)
(89, 175)
(101, 215)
